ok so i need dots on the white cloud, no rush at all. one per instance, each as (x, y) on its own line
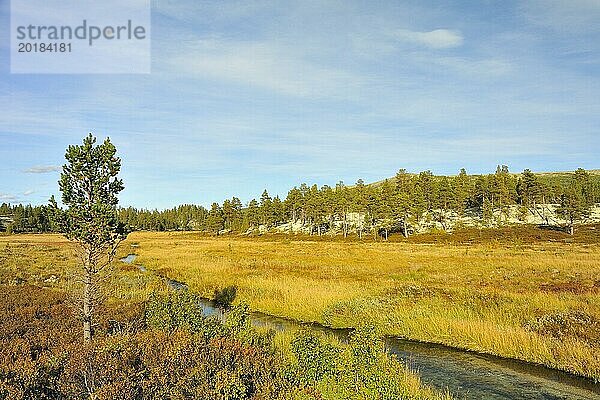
(436, 39)
(42, 169)
(28, 192)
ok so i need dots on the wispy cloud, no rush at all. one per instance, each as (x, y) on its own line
(8, 197)
(265, 65)
(470, 67)
(573, 16)
(435, 39)
(28, 192)
(42, 169)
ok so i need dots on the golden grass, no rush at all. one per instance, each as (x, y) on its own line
(479, 297)
(33, 259)
(49, 260)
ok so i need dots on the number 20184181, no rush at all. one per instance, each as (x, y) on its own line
(25, 47)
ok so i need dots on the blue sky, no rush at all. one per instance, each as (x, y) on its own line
(268, 94)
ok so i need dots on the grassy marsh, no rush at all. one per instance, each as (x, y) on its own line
(532, 300)
(46, 265)
(536, 302)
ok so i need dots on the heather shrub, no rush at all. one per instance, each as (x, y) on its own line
(572, 323)
(170, 350)
(186, 356)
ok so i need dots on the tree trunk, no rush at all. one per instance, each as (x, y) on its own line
(405, 229)
(87, 307)
(345, 224)
(571, 230)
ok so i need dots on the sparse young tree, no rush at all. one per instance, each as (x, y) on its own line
(90, 186)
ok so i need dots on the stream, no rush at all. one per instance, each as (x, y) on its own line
(466, 375)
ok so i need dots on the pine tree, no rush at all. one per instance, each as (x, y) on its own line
(329, 205)
(442, 200)
(253, 214)
(278, 213)
(581, 180)
(500, 190)
(487, 211)
(575, 202)
(228, 214)
(418, 202)
(425, 182)
(360, 204)
(315, 210)
(572, 207)
(236, 219)
(266, 212)
(461, 192)
(384, 207)
(292, 204)
(402, 199)
(341, 205)
(532, 194)
(215, 221)
(90, 186)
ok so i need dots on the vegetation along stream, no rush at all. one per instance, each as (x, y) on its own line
(466, 375)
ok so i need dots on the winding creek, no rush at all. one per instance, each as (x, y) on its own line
(466, 375)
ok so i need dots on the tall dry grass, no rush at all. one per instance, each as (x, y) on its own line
(486, 297)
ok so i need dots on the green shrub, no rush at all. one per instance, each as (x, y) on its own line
(314, 358)
(183, 356)
(361, 370)
(180, 309)
(225, 297)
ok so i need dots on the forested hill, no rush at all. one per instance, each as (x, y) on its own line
(550, 178)
(406, 203)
